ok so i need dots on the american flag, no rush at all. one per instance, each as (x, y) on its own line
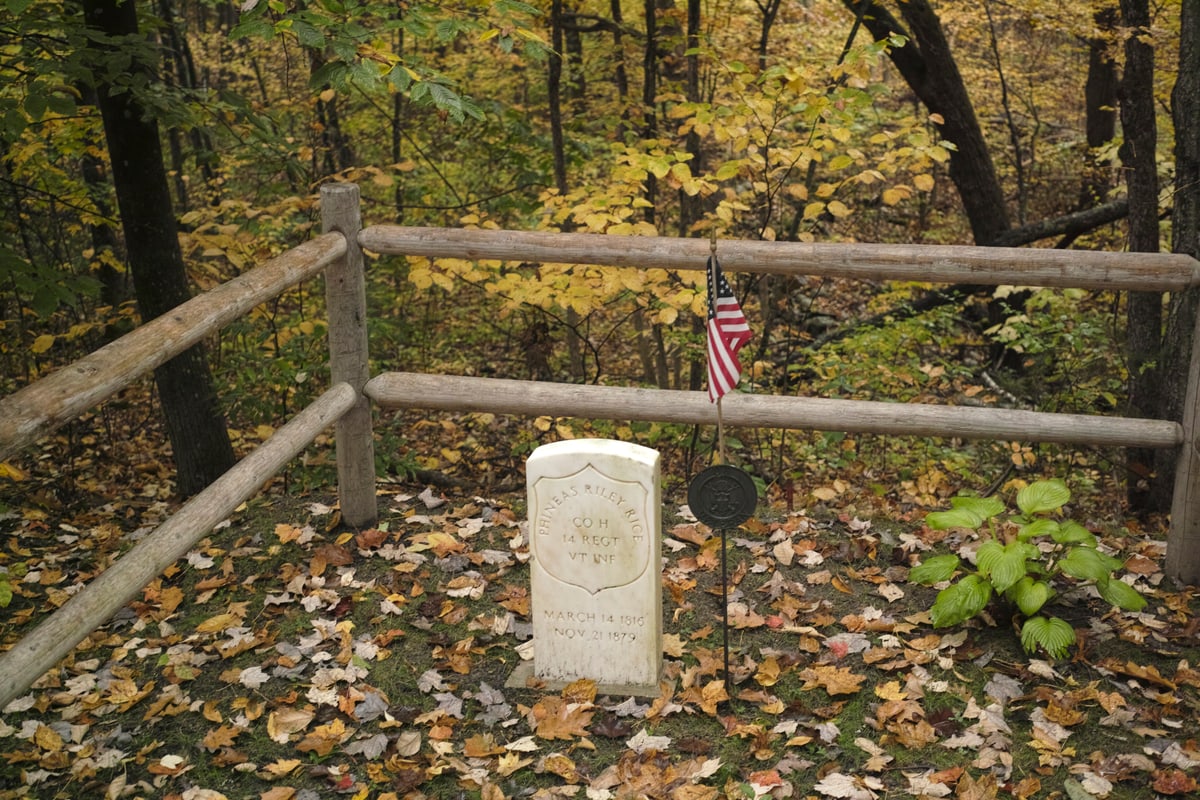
(727, 332)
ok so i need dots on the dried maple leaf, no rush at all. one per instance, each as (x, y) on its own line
(1027, 787)
(223, 736)
(370, 539)
(834, 680)
(509, 763)
(560, 765)
(768, 672)
(317, 744)
(1173, 781)
(558, 719)
(970, 789)
(482, 745)
(580, 691)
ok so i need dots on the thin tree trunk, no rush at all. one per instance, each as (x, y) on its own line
(1100, 99)
(650, 98)
(769, 10)
(195, 424)
(620, 76)
(1144, 312)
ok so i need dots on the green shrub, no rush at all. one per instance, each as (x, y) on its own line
(1024, 559)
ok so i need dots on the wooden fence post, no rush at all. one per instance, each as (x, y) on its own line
(346, 301)
(1183, 540)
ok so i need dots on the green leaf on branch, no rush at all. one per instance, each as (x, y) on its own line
(1089, 564)
(1003, 565)
(1071, 532)
(965, 512)
(934, 569)
(1039, 527)
(960, 602)
(1120, 594)
(1043, 496)
(1030, 595)
(1051, 634)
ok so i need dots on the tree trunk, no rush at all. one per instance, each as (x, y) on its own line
(931, 72)
(334, 144)
(185, 386)
(650, 99)
(1144, 313)
(1185, 229)
(1100, 100)
(769, 9)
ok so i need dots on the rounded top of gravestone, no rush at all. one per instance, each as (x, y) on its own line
(722, 496)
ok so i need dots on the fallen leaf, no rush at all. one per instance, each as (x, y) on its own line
(642, 742)
(834, 680)
(1173, 781)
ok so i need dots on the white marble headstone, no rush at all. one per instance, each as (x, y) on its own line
(595, 537)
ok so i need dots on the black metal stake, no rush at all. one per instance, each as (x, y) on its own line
(725, 608)
(723, 497)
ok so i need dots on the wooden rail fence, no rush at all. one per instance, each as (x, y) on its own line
(41, 407)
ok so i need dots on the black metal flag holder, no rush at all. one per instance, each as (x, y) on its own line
(723, 497)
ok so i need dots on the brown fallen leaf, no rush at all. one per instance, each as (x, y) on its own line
(482, 745)
(985, 788)
(557, 718)
(286, 721)
(1173, 782)
(217, 738)
(834, 680)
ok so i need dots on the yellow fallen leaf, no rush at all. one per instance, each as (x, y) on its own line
(284, 766)
(12, 473)
(509, 763)
(47, 738)
(768, 672)
(278, 793)
(834, 680)
(218, 623)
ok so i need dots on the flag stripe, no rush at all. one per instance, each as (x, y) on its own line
(727, 332)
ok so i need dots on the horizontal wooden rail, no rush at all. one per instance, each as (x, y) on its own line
(47, 644)
(454, 393)
(40, 408)
(1162, 272)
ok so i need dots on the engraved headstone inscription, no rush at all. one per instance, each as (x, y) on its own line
(594, 530)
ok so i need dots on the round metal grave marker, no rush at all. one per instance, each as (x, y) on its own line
(722, 496)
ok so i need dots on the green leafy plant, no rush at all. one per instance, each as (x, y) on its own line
(1023, 558)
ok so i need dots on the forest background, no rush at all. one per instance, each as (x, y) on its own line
(129, 127)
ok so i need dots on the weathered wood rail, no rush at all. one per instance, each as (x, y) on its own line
(40, 408)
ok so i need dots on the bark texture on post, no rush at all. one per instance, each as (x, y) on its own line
(346, 302)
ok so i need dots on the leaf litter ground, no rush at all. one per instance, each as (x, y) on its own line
(285, 657)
